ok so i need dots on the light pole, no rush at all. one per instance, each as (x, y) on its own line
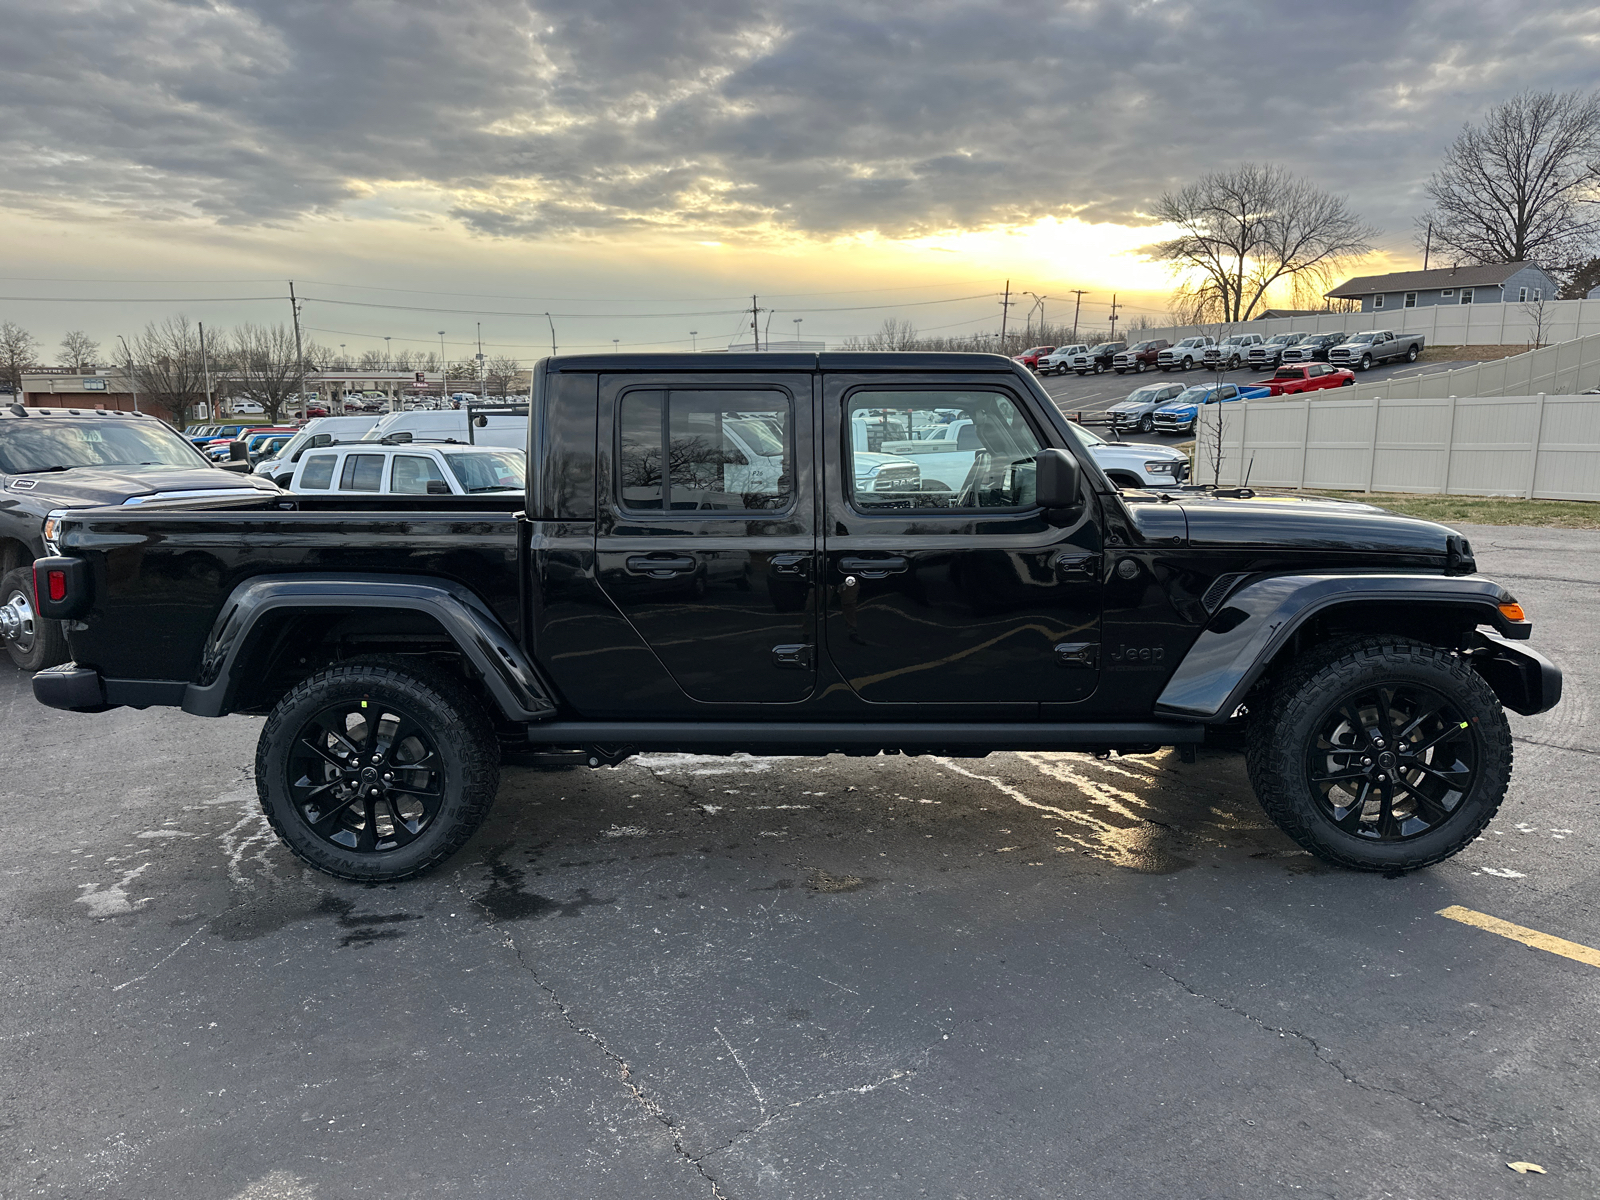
(615, 348)
(693, 347)
(797, 321)
(1038, 303)
(552, 321)
(133, 382)
(444, 372)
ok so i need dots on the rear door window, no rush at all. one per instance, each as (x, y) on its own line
(362, 473)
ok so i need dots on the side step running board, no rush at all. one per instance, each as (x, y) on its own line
(616, 740)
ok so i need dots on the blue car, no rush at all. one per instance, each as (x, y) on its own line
(1180, 414)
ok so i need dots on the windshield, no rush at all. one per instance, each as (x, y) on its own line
(1144, 396)
(1194, 395)
(488, 471)
(46, 445)
(758, 435)
(1092, 439)
(1106, 348)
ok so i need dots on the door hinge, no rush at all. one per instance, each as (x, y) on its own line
(1077, 565)
(1083, 655)
(792, 658)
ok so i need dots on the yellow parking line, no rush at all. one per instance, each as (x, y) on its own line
(1519, 933)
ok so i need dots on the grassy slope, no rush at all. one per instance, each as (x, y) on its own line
(1484, 510)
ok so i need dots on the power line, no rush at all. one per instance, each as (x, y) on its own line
(135, 299)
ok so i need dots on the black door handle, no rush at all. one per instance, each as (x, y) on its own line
(872, 568)
(1081, 566)
(791, 563)
(660, 566)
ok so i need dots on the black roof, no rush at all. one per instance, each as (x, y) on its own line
(903, 360)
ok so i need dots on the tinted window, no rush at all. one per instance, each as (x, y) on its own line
(412, 474)
(501, 471)
(724, 451)
(362, 473)
(318, 471)
(990, 465)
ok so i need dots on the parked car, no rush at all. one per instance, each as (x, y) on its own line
(246, 407)
(1305, 377)
(1270, 352)
(1057, 361)
(1183, 414)
(1139, 356)
(1232, 352)
(259, 449)
(1366, 350)
(332, 428)
(1185, 354)
(1030, 358)
(53, 460)
(1138, 410)
(1313, 347)
(1097, 358)
(409, 469)
(1130, 465)
(395, 643)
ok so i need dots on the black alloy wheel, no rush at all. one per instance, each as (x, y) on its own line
(1391, 762)
(377, 769)
(1380, 753)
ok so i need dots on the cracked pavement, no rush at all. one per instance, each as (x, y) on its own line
(1029, 975)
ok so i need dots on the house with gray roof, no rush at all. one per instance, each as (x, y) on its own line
(1514, 283)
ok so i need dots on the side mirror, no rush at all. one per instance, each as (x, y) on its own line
(1058, 479)
(238, 450)
(438, 487)
(319, 439)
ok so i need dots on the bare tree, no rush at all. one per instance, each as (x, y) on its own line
(371, 360)
(1246, 230)
(501, 374)
(262, 367)
(1523, 185)
(78, 351)
(164, 362)
(19, 350)
(1582, 280)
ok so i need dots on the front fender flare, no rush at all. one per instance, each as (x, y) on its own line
(1258, 620)
(477, 633)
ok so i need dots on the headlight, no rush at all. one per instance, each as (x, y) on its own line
(52, 524)
(1165, 466)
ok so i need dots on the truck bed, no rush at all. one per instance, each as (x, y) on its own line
(169, 568)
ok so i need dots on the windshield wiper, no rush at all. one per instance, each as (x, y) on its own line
(493, 487)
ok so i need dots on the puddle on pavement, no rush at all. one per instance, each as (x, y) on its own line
(506, 899)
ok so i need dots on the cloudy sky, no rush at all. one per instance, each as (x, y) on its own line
(607, 159)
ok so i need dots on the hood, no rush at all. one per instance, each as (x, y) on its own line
(1130, 405)
(1308, 523)
(865, 460)
(85, 487)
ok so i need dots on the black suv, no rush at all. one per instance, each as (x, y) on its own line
(666, 585)
(52, 459)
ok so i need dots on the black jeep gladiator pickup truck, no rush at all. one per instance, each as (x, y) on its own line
(715, 555)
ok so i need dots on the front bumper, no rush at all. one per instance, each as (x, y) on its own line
(69, 686)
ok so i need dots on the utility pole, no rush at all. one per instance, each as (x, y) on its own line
(1005, 311)
(1080, 293)
(755, 322)
(205, 368)
(299, 354)
(1114, 307)
(552, 321)
(483, 380)
(1427, 246)
(444, 373)
(694, 347)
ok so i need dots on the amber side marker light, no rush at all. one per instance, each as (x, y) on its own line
(1513, 612)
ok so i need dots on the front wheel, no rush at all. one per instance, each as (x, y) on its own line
(377, 770)
(1365, 364)
(1138, 367)
(1381, 754)
(1147, 424)
(32, 641)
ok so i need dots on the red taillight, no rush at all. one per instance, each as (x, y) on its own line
(57, 581)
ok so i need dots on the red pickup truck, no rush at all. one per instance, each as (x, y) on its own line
(1308, 377)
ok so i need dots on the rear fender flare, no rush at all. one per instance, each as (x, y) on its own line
(509, 675)
(1257, 621)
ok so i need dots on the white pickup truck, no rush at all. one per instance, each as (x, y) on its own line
(945, 455)
(1232, 352)
(1187, 353)
(1058, 361)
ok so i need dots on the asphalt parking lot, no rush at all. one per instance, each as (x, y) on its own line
(1090, 394)
(1030, 975)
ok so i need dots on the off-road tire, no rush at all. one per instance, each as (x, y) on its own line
(42, 644)
(1278, 737)
(456, 723)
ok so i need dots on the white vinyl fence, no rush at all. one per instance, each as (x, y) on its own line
(1562, 369)
(1537, 447)
(1504, 324)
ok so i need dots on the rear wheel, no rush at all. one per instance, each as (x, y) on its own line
(1381, 754)
(1411, 354)
(376, 769)
(32, 641)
